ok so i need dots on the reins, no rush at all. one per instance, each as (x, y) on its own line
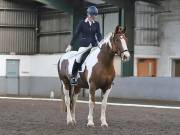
(100, 44)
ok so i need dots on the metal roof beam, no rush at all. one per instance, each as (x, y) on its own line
(57, 4)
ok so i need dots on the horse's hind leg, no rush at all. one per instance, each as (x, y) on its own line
(103, 108)
(91, 105)
(75, 97)
(63, 101)
(67, 102)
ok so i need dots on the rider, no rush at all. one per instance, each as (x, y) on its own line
(90, 36)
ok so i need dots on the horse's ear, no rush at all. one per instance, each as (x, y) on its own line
(124, 30)
(117, 29)
(120, 30)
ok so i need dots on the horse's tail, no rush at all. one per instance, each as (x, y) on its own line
(62, 93)
(58, 67)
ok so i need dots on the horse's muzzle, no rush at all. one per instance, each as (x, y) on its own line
(125, 56)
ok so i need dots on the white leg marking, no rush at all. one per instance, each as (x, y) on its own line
(90, 116)
(67, 102)
(103, 108)
(75, 97)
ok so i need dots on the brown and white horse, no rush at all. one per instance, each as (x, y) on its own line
(98, 73)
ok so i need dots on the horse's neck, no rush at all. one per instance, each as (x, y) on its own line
(103, 52)
(106, 56)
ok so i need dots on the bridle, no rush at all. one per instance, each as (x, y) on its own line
(126, 50)
(112, 40)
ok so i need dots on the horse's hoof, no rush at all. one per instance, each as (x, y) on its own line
(74, 122)
(90, 125)
(104, 125)
(70, 124)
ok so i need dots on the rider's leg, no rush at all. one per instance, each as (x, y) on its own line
(84, 56)
(77, 64)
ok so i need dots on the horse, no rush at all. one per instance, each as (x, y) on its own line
(97, 73)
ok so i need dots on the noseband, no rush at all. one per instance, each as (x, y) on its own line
(123, 51)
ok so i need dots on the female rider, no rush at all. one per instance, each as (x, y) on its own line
(90, 36)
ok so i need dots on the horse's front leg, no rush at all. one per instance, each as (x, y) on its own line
(67, 102)
(91, 105)
(103, 108)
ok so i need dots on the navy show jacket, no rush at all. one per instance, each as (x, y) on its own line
(89, 34)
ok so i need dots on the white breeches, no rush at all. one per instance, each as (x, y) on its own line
(81, 51)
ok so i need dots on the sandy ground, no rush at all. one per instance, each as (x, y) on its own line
(24, 117)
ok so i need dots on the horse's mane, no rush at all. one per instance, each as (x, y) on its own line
(105, 40)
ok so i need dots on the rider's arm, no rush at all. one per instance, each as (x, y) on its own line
(98, 33)
(76, 34)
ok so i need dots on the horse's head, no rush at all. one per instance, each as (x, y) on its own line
(119, 43)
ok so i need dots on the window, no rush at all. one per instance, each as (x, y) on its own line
(176, 68)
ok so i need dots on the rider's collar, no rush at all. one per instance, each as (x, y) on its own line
(87, 20)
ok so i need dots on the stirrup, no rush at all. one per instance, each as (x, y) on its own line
(73, 81)
(80, 68)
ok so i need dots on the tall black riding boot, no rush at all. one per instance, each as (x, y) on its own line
(75, 69)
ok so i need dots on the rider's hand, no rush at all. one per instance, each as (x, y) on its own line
(68, 48)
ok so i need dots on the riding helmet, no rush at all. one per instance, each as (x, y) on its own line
(92, 11)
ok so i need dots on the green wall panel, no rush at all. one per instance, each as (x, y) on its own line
(127, 19)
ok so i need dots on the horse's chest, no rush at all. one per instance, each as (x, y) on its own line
(106, 77)
(102, 76)
(104, 82)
